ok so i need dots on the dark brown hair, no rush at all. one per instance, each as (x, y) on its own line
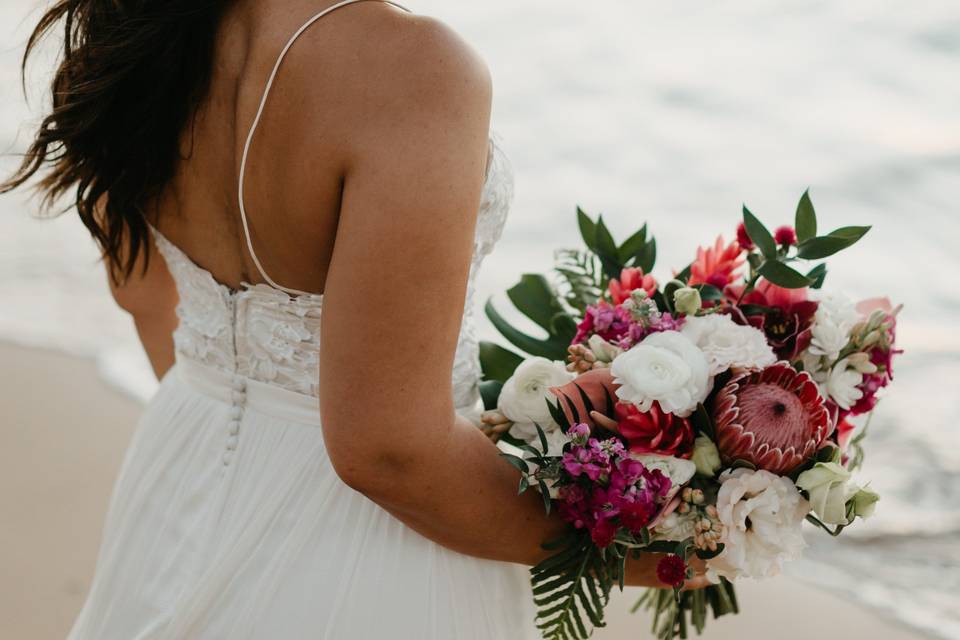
(130, 75)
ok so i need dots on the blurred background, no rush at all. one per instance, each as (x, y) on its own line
(670, 113)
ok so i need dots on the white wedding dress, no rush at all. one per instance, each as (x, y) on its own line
(228, 520)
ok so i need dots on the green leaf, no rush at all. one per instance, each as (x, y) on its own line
(587, 229)
(647, 257)
(606, 250)
(825, 246)
(498, 363)
(709, 292)
(817, 275)
(490, 393)
(542, 436)
(633, 245)
(782, 275)
(536, 299)
(519, 463)
(759, 234)
(551, 348)
(806, 218)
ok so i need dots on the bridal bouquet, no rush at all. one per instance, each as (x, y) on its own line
(704, 418)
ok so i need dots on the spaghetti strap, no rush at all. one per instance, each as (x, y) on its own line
(256, 121)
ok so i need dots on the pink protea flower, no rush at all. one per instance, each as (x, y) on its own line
(716, 265)
(775, 419)
(631, 278)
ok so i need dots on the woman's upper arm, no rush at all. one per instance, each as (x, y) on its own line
(395, 288)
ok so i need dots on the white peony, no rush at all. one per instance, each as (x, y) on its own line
(763, 515)
(835, 318)
(665, 367)
(841, 384)
(524, 396)
(728, 344)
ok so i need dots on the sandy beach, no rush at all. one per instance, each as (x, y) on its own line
(62, 436)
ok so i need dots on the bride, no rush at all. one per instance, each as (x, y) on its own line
(294, 478)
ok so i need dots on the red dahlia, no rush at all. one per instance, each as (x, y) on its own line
(774, 418)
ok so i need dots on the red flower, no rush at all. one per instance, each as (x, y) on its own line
(672, 570)
(636, 515)
(775, 419)
(631, 278)
(602, 532)
(785, 236)
(788, 322)
(716, 265)
(654, 431)
(743, 238)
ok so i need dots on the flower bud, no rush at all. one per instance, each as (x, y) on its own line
(602, 350)
(706, 456)
(864, 502)
(687, 301)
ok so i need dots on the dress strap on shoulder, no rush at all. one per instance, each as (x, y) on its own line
(256, 122)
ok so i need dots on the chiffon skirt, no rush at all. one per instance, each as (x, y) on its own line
(228, 522)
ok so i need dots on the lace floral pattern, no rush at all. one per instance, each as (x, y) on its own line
(267, 335)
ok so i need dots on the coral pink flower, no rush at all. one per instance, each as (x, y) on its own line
(716, 265)
(775, 419)
(654, 431)
(743, 238)
(631, 278)
(785, 235)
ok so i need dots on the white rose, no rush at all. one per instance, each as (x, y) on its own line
(728, 344)
(836, 316)
(829, 488)
(665, 367)
(524, 396)
(842, 383)
(762, 514)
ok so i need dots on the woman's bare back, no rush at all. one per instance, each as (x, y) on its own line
(328, 85)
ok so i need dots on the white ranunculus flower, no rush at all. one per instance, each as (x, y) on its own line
(728, 344)
(836, 316)
(763, 515)
(524, 396)
(677, 469)
(676, 527)
(828, 485)
(842, 383)
(665, 367)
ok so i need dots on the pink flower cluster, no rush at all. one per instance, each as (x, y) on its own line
(616, 325)
(608, 489)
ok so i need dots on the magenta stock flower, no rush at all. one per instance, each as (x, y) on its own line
(775, 419)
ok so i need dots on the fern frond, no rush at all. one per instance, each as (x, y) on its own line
(581, 277)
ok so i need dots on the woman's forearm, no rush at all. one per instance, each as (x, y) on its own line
(460, 493)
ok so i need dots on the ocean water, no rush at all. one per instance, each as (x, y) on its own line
(674, 114)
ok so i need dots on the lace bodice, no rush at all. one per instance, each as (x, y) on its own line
(263, 333)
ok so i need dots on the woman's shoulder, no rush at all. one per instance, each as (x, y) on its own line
(395, 55)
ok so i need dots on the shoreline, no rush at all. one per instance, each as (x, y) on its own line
(64, 429)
